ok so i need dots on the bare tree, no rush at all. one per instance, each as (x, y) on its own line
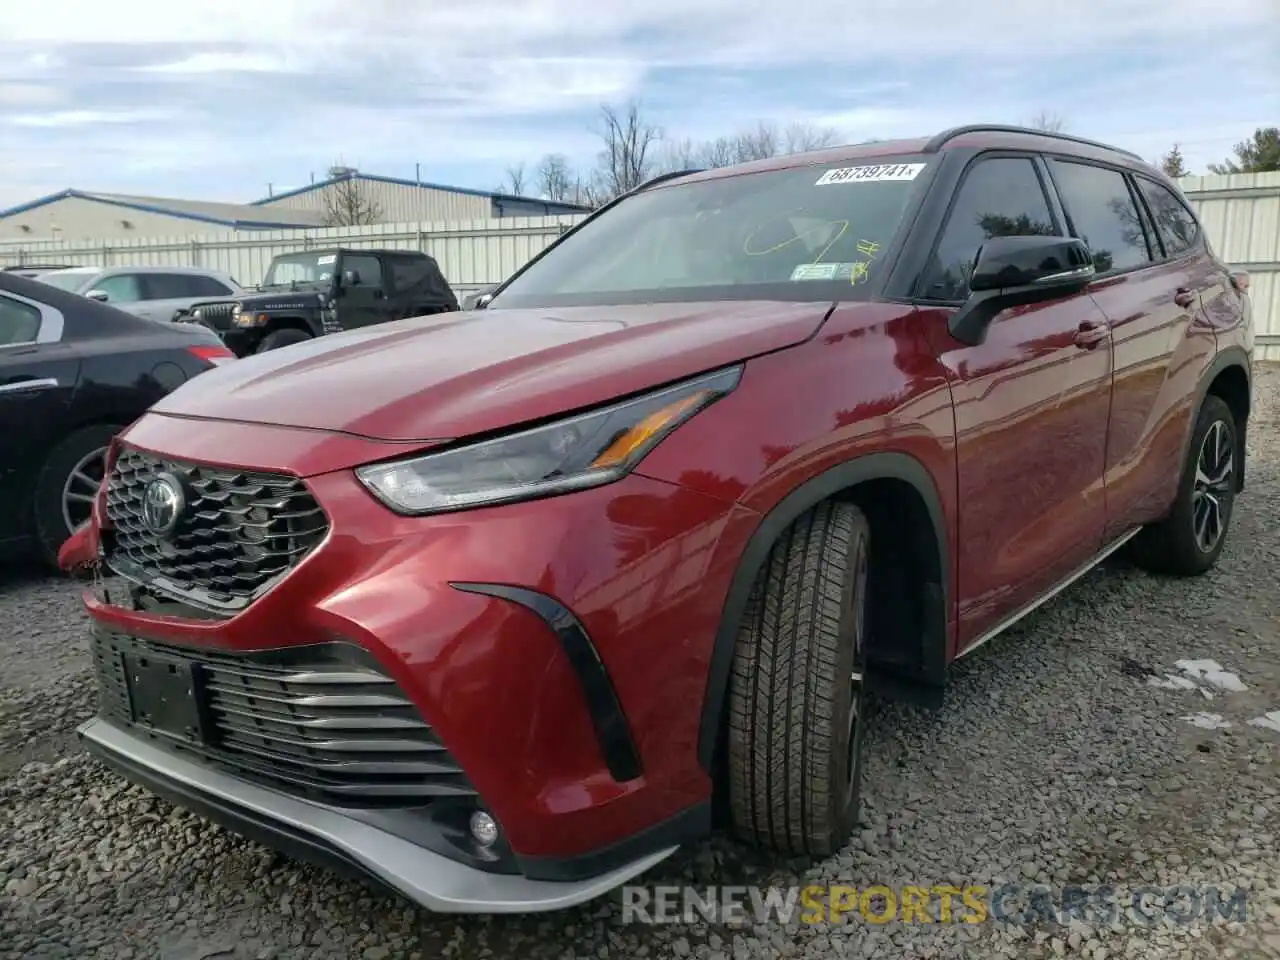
(758, 144)
(627, 159)
(1048, 121)
(552, 178)
(515, 180)
(800, 137)
(347, 202)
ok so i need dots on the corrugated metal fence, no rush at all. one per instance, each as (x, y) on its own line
(472, 253)
(1241, 214)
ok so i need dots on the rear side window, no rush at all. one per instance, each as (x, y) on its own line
(1174, 222)
(1000, 197)
(1103, 214)
(178, 286)
(410, 272)
(19, 322)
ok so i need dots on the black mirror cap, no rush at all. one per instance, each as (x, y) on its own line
(1017, 271)
(1035, 261)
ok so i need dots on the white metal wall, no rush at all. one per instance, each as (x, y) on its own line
(397, 202)
(1241, 215)
(472, 253)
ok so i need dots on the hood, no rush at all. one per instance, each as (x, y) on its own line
(306, 298)
(457, 374)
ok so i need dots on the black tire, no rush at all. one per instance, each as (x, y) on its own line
(1173, 546)
(51, 526)
(282, 338)
(794, 756)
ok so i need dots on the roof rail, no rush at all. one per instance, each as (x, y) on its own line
(936, 144)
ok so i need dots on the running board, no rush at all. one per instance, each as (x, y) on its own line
(1041, 600)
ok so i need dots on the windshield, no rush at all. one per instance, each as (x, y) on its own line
(72, 280)
(301, 268)
(807, 233)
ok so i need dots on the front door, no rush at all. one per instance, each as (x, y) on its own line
(1031, 406)
(363, 303)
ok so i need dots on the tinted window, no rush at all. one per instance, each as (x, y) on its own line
(998, 198)
(1103, 214)
(408, 272)
(806, 233)
(177, 286)
(1177, 227)
(73, 280)
(369, 268)
(120, 288)
(19, 322)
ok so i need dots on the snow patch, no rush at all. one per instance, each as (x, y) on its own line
(1212, 673)
(1270, 721)
(1208, 721)
(1170, 682)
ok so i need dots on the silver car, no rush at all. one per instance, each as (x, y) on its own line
(157, 293)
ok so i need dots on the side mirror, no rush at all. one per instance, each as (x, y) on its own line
(483, 300)
(99, 295)
(351, 278)
(1016, 271)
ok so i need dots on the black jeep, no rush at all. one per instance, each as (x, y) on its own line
(306, 295)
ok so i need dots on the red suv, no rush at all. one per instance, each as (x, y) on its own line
(493, 606)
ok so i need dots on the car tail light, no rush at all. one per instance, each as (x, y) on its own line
(1240, 280)
(214, 356)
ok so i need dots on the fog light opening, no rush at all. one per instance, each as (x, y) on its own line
(484, 829)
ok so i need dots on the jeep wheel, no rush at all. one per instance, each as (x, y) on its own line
(282, 338)
(66, 486)
(796, 694)
(1190, 539)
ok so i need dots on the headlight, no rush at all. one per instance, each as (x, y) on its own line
(572, 454)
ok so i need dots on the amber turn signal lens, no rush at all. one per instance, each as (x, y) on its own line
(633, 439)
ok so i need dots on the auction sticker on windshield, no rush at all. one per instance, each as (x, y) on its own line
(871, 173)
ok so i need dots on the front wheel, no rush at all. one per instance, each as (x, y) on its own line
(67, 485)
(797, 701)
(282, 338)
(1190, 539)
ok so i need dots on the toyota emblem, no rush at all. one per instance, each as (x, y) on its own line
(162, 504)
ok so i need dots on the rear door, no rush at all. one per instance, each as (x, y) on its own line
(38, 377)
(1162, 345)
(1031, 405)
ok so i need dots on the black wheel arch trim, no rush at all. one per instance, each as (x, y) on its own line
(1227, 357)
(607, 718)
(873, 466)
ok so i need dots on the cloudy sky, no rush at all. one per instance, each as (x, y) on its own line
(216, 99)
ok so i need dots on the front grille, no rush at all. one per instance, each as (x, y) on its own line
(319, 721)
(215, 315)
(238, 533)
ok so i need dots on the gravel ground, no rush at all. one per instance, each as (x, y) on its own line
(1056, 760)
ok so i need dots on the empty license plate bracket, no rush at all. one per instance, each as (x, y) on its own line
(164, 695)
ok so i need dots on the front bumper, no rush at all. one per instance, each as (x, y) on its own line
(324, 835)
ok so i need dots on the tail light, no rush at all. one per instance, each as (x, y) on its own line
(215, 356)
(1240, 280)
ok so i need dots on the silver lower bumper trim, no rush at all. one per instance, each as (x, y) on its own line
(423, 876)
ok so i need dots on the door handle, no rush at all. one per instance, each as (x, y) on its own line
(1184, 297)
(1090, 334)
(18, 386)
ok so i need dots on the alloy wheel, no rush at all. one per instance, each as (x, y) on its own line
(81, 487)
(1211, 492)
